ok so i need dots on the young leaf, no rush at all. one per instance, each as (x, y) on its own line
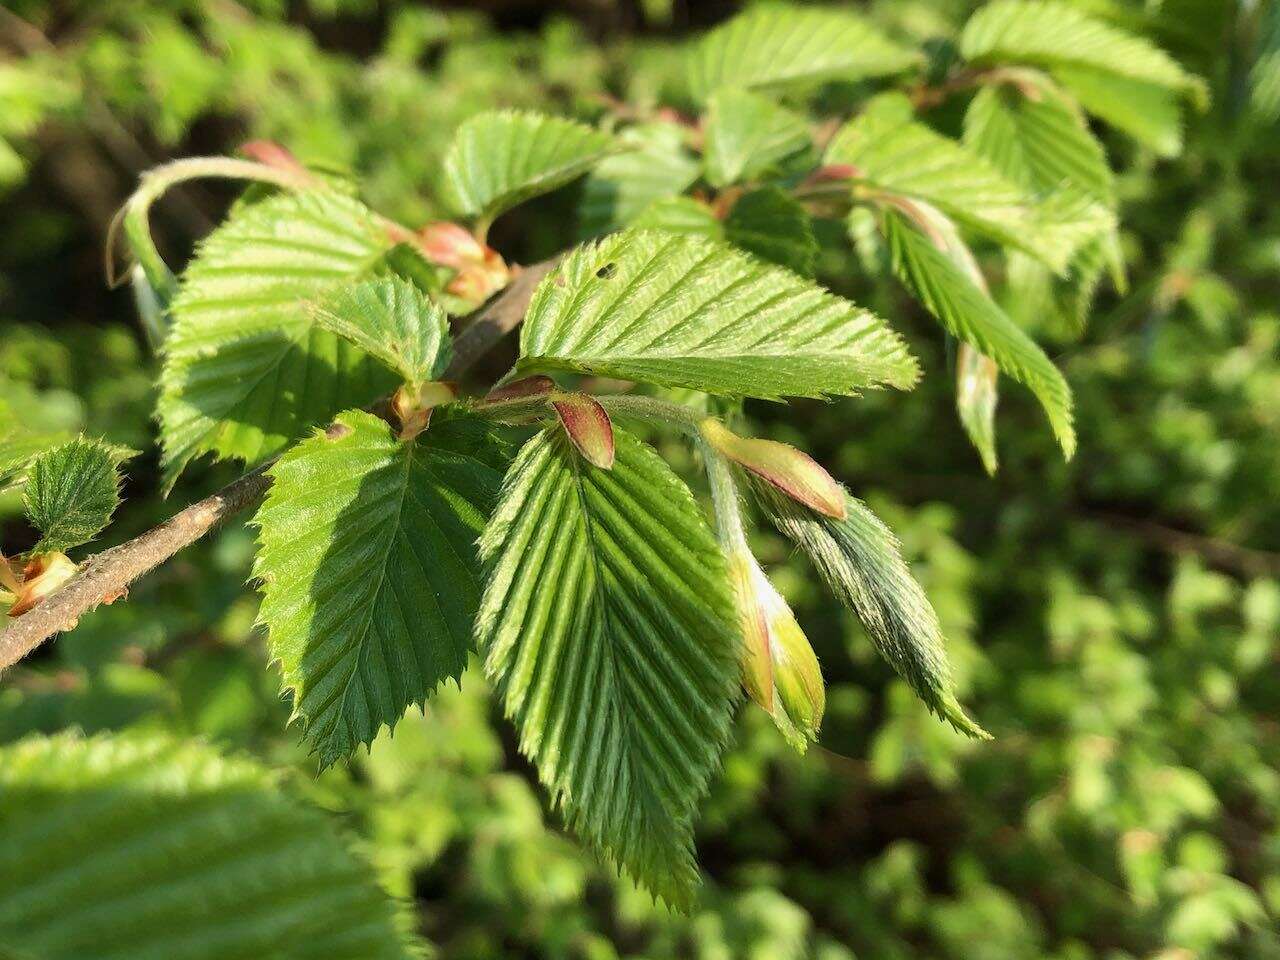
(774, 226)
(1264, 76)
(71, 492)
(890, 151)
(969, 314)
(1147, 112)
(368, 569)
(682, 311)
(143, 847)
(500, 159)
(1041, 143)
(390, 319)
(654, 166)
(774, 45)
(608, 628)
(1050, 34)
(860, 560)
(246, 369)
(977, 393)
(747, 134)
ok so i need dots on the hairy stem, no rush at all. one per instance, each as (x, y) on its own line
(106, 576)
(652, 410)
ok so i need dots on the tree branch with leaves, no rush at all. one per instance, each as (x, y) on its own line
(529, 521)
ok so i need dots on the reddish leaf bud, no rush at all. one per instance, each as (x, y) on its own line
(588, 427)
(450, 245)
(519, 391)
(792, 471)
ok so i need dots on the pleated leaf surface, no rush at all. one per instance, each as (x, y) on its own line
(145, 847)
(685, 311)
(607, 627)
(369, 571)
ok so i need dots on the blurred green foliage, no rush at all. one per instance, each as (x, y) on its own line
(1114, 621)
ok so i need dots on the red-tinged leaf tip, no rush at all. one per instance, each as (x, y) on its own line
(588, 426)
(518, 391)
(792, 471)
(450, 245)
(834, 172)
(275, 155)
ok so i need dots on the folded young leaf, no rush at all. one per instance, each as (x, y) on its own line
(654, 166)
(779, 44)
(890, 151)
(861, 561)
(246, 369)
(500, 159)
(772, 224)
(389, 318)
(746, 134)
(682, 311)
(977, 393)
(608, 629)
(1046, 33)
(139, 846)
(969, 314)
(71, 492)
(369, 572)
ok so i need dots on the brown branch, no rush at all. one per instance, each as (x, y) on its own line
(1213, 550)
(106, 576)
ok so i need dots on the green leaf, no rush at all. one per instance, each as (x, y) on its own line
(977, 393)
(861, 561)
(368, 569)
(682, 311)
(1041, 143)
(969, 314)
(893, 153)
(71, 493)
(144, 847)
(622, 186)
(775, 45)
(1147, 112)
(246, 369)
(1264, 75)
(1050, 34)
(747, 135)
(774, 226)
(608, 628)
(680, 215)
(389, 318)
(500, 159)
